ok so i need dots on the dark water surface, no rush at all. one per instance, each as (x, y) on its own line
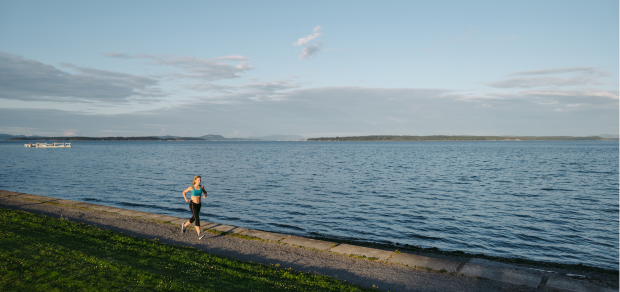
(541, 200)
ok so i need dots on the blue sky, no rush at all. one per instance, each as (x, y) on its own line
(322, 68)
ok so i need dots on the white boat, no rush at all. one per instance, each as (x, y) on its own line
(45, 145)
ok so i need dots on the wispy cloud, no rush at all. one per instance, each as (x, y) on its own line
(591, 96)
(305, 40)
(233, 58)
(580, 76)
(312, 50)
(24, 79)
(256, 91)
(262, 107)
(210, 87)
(587, 70)
(198, 68)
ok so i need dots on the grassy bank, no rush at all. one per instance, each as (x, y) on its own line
(39, 253)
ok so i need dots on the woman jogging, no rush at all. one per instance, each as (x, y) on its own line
(194, 205)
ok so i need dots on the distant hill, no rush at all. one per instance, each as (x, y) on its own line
(280, 138)
(7, 136)
(148, 138)
(221, 138)
(213, 137)
(609, 136)
(203, 138)
(85, 138)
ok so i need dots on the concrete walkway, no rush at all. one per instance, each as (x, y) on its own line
(389, 270)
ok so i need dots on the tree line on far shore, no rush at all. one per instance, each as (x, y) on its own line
(147, 138)
(456, 138)
(350, 138)
(88, 138)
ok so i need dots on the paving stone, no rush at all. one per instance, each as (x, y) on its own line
(308, 242)
(141, 214)
(104, 208)
(517, 277)
(66, 202)
(484, 262)
(115, 210)
(228, 228)
(124, 212)
(152, 216)
(27, 196)
(84, 205)
(206, 225)
(263, 235)
(38, 198)
(426, 262)
(166, 218)
(110, 209)
(8, 193)
(159, 217)
(178, 221)
(362, 251)
(568, 284)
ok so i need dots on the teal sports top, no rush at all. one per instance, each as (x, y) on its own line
(195, 192)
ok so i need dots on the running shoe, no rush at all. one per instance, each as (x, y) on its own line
(182, 227)
(201, 235)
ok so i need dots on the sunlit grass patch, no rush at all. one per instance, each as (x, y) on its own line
(39, 253)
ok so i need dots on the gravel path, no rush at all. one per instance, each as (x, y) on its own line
(387, 277)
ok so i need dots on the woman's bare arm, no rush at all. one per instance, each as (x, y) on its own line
(185, 192)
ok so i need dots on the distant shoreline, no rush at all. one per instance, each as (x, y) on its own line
(460, 138)
(372, 138)
(122, 139)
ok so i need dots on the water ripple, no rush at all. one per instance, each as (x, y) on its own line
(552, 201)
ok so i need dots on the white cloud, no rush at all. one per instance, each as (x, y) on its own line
(233, 58)
(584, 76)
(305, 40)
(198, 68)
(272, 86)
(210, 87)
(256, 91)
(545, 81)
(30, 80)
(117, 55)
(546, 103)
(591, 95)
(265, 108)
(69, 133)
(589, 70)
(311, 51)
(476, 98)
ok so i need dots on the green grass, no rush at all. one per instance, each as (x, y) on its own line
(39, 253)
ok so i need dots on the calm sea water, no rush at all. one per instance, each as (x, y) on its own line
(550, 201)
